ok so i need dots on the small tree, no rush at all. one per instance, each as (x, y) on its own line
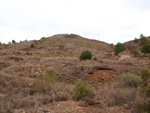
(86, 55)
(142, 36)
(143, 39)
(145, 48)
(119, 47)
(81, 90)
(135, 53)
(136, 40)
(13, 41)
(32, 45)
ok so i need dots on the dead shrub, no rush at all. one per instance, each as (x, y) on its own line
(61, 91)
(3, 82)
(24, 102)
(2, 108)
(5, 107)
(115, 95)
(16, 82)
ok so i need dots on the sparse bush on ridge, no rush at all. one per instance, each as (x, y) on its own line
(85, 55)
(81, 90)
(13, 41)
(130, 79)
(119, 47)
(142, 36)
(44, 39)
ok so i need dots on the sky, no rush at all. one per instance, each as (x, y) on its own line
(110, 21)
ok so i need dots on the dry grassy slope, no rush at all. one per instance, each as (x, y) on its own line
(71, 46)
(59, 46)
(60, 52)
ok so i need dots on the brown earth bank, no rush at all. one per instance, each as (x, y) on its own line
(20, 65)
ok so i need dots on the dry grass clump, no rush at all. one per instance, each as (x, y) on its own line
(129, 79)
(6, 107)
(24, 102)
(3, 82)
(61, 91)
(114, 94)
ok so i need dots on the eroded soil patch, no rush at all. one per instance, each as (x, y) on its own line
(102, 77)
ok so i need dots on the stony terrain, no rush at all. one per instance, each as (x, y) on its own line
(21, 64)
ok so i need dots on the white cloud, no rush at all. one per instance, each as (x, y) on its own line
(114, 20)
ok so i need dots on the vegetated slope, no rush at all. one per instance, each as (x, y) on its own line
(135, 46)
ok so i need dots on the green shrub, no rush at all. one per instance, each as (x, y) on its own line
(95, 58)
(135, 53)
(1, 66)
(130, 79)
(145, 73)
(142, 107)
(119, 47)
(81, 90)
(143, 39)
(13, 41)
(44, 83)
(32, 45)
(33, 50)
(136, 40)
(142, 36)
(145, 48)
(86, 55)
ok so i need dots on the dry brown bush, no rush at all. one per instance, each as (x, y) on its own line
(61, 91)
(5, 107)
(115, 94)
(3, 82)
(16, 82)
(25, 102)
